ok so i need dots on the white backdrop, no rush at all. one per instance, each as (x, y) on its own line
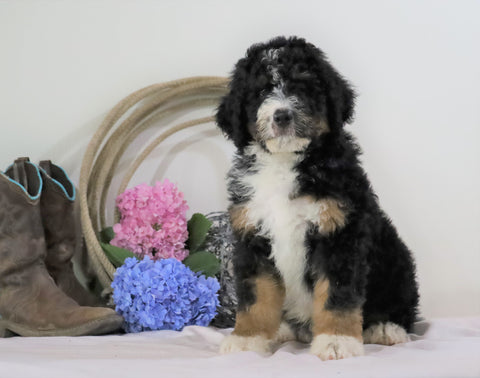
(415, 65)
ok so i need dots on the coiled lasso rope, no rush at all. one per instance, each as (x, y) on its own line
(131, 116)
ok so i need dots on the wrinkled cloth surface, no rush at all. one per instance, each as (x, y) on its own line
(440, 348)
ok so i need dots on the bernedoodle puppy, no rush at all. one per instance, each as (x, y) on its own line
(315, 259)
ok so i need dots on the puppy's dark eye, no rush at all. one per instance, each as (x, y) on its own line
(262, 81)
(300, 72)
(263, 93)
(304, 75)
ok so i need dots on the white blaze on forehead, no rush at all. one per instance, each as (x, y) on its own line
(271, 58)
(276, 100)
(271, 55)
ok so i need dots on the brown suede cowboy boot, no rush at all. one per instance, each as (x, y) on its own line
(30, 302)
(57, 207)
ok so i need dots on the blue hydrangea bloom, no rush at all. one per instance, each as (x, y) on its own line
(163, 294)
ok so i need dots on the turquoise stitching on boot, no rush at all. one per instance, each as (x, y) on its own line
(36, 196)
(70, 197)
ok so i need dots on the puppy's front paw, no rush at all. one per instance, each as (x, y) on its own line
(335, 347)
(234, 343)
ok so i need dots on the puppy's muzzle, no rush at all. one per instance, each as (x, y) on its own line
(283, 118)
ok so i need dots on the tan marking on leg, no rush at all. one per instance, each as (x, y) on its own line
(322, 127)
(344, 323)
(239, 219)
(264, 316)
(332, 214)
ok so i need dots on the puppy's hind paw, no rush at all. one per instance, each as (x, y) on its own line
(284, 334)
(336, 347)
(385, 333)
(235, 343)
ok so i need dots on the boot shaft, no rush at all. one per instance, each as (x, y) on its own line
(57, 207)
(22, 240)
(62, 230)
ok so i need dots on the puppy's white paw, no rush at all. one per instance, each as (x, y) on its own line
(234, 343)
(385, 334)
(335, 347)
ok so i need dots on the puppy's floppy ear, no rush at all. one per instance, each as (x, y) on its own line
(340, 100)
(231, 115)
(339, 93)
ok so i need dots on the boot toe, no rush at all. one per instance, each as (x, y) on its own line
(96, 321)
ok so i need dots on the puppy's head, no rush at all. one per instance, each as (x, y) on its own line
(283, 95)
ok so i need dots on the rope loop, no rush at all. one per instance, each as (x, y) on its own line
(128, 119)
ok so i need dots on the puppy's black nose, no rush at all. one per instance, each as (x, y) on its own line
(283, 117)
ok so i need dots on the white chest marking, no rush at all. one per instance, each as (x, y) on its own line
(284, 222)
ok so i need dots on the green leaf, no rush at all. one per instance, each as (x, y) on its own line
(106, 235)
(116, 255)
(204, 262)
(198, 227)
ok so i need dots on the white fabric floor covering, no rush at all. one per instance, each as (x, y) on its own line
(439, 348)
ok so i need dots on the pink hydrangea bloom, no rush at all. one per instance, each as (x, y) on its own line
(153, 221)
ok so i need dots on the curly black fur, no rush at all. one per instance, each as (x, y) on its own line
(366, 262)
